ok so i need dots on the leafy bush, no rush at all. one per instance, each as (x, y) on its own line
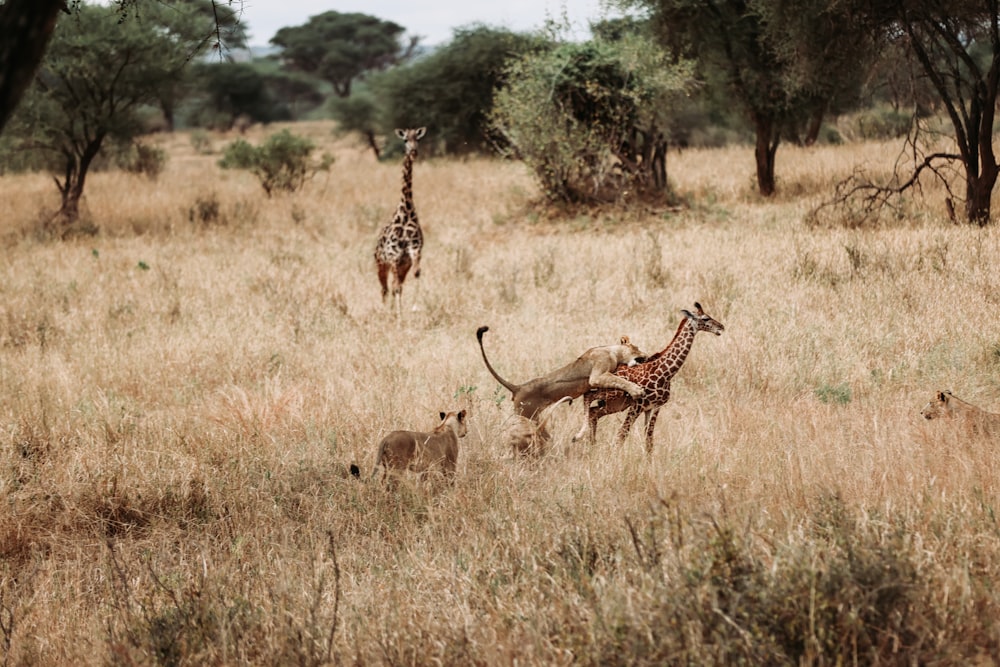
(590, 119)
(280, 163)
(878, 123)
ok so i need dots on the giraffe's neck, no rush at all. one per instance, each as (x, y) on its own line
(673, 355)
(406, 203)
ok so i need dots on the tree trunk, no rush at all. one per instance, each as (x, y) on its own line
(370, 135)
(978, 192)
(815, 125)
(767, 145)
(75, 177)
(25, 29)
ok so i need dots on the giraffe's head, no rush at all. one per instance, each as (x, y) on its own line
(702, 321)
(411, 137)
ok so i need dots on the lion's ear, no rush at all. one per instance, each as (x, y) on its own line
(442, 416)
(461, 416)
(626, 341)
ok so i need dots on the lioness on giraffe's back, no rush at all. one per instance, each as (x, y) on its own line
(593, 368)
(653, 375)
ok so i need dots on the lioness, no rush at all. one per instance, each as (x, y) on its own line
(419, 452)
(945, 405)
(527, 438)
(592, 369)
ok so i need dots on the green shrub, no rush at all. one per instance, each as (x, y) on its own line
(589, 119)
(280, 163)
(879, 123)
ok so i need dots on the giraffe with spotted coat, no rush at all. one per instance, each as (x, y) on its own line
(402, 240)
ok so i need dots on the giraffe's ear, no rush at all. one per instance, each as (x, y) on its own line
(420, 132)
(401, 133)
(697, 307)
(687, 313)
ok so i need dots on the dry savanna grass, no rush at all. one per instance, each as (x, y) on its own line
(181, 396)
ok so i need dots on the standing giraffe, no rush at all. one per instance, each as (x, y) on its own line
(400, 242)
(653, 375)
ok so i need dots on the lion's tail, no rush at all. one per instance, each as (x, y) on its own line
(512, 388)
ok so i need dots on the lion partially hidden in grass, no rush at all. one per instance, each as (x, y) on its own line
(420, 452)
(526, 437)
(592, 369)
(945, 405)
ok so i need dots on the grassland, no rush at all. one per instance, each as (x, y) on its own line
(181, 396)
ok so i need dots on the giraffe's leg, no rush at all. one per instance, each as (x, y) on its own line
(415, 258)
(630, 416)
(650, 426)
(589, 428)
(383, 277)
(402, 268)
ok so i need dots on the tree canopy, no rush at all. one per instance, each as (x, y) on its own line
(26, 26)
(96, 75)
(340, 48)
(451, 89)
(773, 61)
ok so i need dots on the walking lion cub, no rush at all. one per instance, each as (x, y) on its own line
(420, 452)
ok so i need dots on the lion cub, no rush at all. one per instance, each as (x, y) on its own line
(419, 452)
(945, 405)
(528, 438)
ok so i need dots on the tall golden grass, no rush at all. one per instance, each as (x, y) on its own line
(181, 396)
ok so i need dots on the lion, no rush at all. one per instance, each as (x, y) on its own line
(945, 405)
(592, 369)
(528, 438)
(419, 452)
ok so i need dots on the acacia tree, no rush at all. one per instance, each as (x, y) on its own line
(26, 27)
(741, 54)
(826, 57)
(956, 44)
(95, 76)
(340, 48)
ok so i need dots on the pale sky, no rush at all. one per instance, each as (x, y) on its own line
(433, 20)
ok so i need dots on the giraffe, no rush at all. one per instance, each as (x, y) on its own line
(653, 375)
(400, 242)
